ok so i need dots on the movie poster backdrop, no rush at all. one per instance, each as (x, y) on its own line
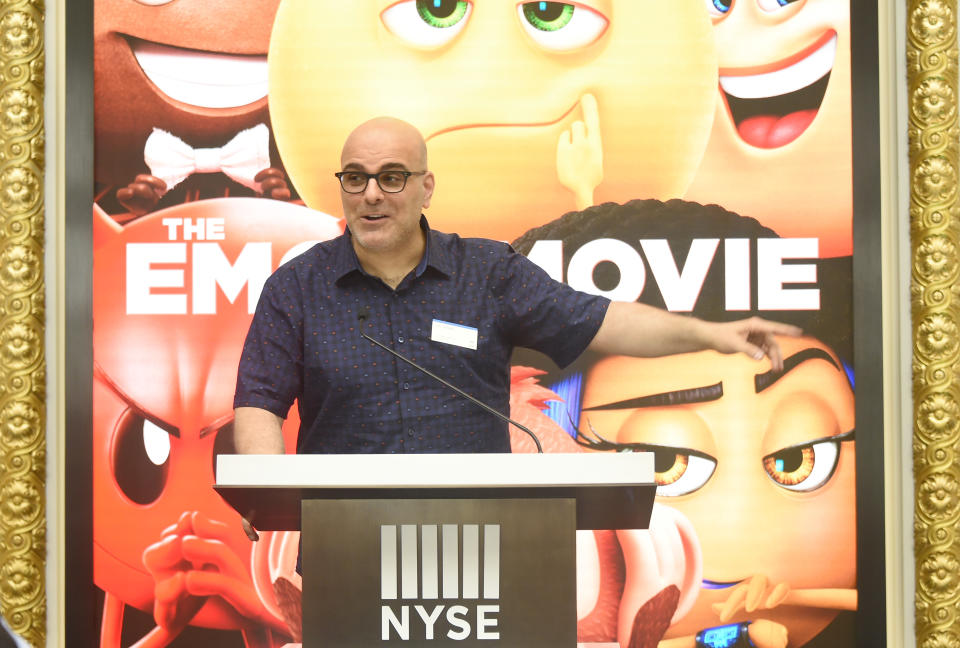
(695, 155)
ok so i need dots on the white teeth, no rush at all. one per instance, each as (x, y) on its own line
(204, 79)
(792, 78)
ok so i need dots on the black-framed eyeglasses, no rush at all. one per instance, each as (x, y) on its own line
(390, 181)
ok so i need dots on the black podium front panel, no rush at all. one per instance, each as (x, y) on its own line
(439, 572)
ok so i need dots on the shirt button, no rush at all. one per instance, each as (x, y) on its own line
(400, 339)
(406, 385)
(410, 432)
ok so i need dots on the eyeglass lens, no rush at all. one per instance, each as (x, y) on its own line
(389, 181)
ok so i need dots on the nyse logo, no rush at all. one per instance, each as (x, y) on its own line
(448, 569)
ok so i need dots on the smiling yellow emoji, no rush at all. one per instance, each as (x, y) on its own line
(781, 148)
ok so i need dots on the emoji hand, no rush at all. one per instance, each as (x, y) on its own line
(273, 184)
(767, 634)
(580, 154)
(753, 594)
(192, 564)
(664, 567)
(143, 194)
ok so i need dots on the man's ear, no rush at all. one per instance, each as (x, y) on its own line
(429, 182)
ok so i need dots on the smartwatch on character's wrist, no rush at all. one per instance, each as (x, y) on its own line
(734, 635)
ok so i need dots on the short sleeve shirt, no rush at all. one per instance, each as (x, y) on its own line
(305, 344)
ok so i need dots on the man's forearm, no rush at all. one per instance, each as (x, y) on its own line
(639, 330)
(257, 431)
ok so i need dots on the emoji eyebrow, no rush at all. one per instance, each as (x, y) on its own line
(172, 430)
(768, 378)
(666, 399)
(217, 425)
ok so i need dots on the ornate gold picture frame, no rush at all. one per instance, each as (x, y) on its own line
(23, 323)
(933, 161)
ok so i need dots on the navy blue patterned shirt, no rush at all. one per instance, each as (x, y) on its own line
(304, 343)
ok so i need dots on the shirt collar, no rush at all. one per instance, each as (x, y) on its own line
(435, 255)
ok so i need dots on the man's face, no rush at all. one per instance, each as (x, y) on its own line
(761, 466)
(380, 221)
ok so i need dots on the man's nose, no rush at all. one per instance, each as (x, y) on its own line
(372, 192)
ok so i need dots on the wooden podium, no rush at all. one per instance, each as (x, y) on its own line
(439, 550)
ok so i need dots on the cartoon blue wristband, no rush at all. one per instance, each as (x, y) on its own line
(734, 635)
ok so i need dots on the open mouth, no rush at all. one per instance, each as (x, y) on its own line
(200, 78)
(773, 108)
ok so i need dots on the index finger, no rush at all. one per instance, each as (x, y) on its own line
(591, 114)
(774, 353)
(775, 328)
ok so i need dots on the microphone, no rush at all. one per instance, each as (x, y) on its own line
(364, 314)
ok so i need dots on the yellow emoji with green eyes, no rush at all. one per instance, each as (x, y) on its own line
(529, 108)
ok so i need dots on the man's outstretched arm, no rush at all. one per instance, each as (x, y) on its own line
(635, 329)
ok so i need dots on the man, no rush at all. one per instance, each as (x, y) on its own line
(458, 306)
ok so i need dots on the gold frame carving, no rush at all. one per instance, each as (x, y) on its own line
(934, 290)
(22, 321)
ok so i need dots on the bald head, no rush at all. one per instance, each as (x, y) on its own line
(385, 225)
(386, 133)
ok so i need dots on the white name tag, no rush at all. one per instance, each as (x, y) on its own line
(455, 334)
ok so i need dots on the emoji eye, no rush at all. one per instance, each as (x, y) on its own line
(561, 26)
(804, 468)
(773, 5)
(679, 473)
(719, 8)
(427, 23)
(141, 453)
